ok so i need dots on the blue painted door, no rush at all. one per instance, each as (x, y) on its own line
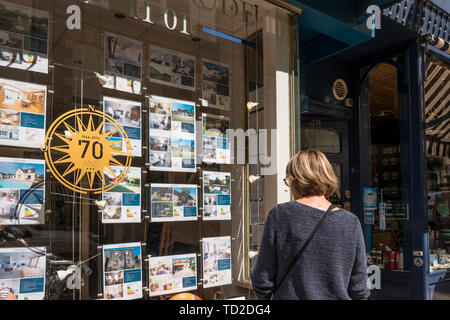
(331, 137)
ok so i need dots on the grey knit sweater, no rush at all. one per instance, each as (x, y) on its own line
(332, 267)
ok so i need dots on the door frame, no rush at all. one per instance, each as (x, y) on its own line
(413, 139)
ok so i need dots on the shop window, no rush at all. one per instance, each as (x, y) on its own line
(388, 193)
(437, 92)
(179, 218)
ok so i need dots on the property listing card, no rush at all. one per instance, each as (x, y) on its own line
(216, 195)
(172, 135)
(22, 273)
(22, 114)
(216, 145)
(172, 68)
(128, 114)
(216, 261)
(172, 274)
(23, 37)
(122, 271)
(123, 63)
(173, 202)
(22, 191)
(216, 84)
(123, 202)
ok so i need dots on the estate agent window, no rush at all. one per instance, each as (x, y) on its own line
(160, 83)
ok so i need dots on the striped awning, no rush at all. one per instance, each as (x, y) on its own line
(437, 108)
(438, 43)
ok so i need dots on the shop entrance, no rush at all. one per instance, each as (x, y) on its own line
(385, 170)
(331, 137)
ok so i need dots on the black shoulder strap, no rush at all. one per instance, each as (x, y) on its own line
(297, 256)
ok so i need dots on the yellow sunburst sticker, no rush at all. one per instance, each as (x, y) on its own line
(79, 154)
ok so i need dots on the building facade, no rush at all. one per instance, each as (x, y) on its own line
(160, 130)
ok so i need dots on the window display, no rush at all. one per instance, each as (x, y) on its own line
(23, 37)
(172, 274)
(216, 261)
(22, 113)
(172, 135)
(22, 191)
(128, 114)
(172, 68)
(216, 145)
(385, 203)
(123, 203)
(22, 273)
(173, 202)
(216, 84)
(438, 164)
(116, 113)
(123, 63)
(216, 196)
(122, 271)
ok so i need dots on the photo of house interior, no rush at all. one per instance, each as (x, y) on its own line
(163, 194)
(9, 117)
(126, 113)
(23, 97)
(16, 265)
(9, 289)
(113, 199)
(160, 107)
(161, 283)
(160, 144)
(161, 159)
(112, 278)
(114, 292)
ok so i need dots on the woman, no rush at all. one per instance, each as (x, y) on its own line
(333, 264)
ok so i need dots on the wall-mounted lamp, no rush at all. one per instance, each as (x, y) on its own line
(252, 254)
(252, 179)
(63, 274)
(251, 105)
(101, 204)
(103, 79)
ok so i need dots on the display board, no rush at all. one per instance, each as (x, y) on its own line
(216, 84)
(172, 135)
(172, 68)
(173, 202)
(122, 271)
(216, 195)
(23, 37)
(216, 261)
(123, 63)
(216, 144)
(123, 203)
(22, 114)
(22, 273)
(22, 191)
(128, 114)
(172, 274)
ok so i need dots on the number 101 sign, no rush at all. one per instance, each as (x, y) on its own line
(79, 151)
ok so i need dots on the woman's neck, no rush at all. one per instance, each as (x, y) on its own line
(318, 202)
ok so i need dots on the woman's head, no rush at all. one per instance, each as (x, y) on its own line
(309, 173)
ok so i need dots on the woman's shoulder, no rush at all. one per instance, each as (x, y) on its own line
(347, 215)
(294, 206)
